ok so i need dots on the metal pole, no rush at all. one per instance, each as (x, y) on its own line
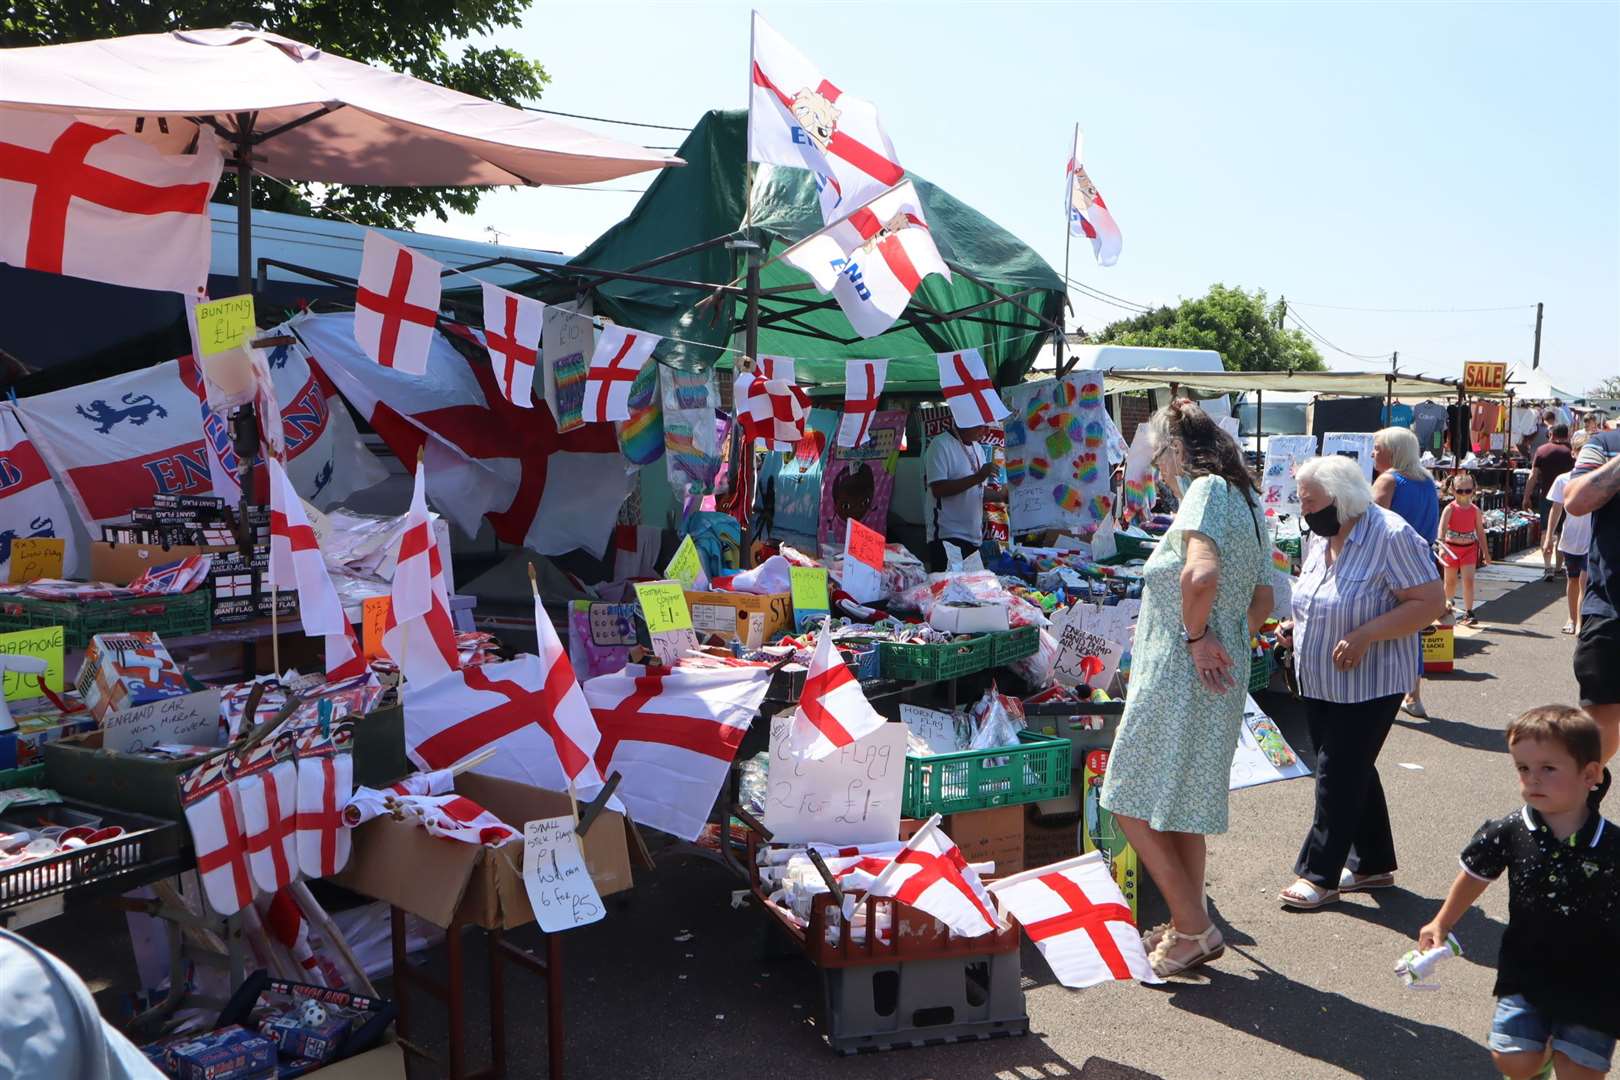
(244, 202)
(1068, 238)
(1535, 359)
(1259, 405)
(750, 251)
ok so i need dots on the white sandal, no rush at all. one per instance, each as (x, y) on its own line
(1306, 896)
(1151, 938)
(1165, 966)
(1352, 882)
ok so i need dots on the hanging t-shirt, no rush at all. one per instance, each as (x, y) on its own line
(1428, 423)
(955, 517)
(1397, 415)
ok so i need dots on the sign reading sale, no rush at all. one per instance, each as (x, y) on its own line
(1484, 377)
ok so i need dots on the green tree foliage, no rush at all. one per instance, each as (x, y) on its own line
(1606, 388)
(1239, 325)
(406, 35)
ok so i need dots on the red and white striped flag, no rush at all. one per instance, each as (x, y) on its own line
(418, 633)
(620, 355)
(832, 712)
(967, 389)
(93, 203)
(396, 307)
(296, 563)
(873, 260)
(931, 875)
(671, 733)
(863, 386)
(1076, 915)
(512, 325)
(1089, 216)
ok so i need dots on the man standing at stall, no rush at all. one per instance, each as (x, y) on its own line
(1594, 488)
(1552, 459)
(956, 468)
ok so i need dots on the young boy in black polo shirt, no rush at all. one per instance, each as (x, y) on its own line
(1558, 996)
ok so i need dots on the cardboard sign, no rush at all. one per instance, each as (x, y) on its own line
(663, 605)
(865, 545)
(1263, 756)
(863, 562)
(192, 719)
(686, 567)
(938, 729)
(1484, 377)
(222, 325)
(37, 557)
(373, 621)
(849, 797)
(1076, 642)
(46, 643)
(560, 888)
(810, 597)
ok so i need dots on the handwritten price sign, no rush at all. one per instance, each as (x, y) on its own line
(37, 557)
(373, 621)
(663, 603)
(45, 643)
(559, 885)
(866, 545)
(222, 325)
(685, 567)
(1481, 377)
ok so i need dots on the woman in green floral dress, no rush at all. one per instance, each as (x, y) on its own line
(1204, 593)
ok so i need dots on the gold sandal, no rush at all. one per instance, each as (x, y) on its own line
(1164, 966)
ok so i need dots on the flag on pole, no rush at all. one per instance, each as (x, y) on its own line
(1075, 914)
(418, 634)
(968, 390)
(863, 386)
(512, 334)
(296, 563)
(396, 307)
(931, 875)
(797, 118)
(1088, 215)
(620, 355)
(832, 712)
(874, 259)
(565, 715)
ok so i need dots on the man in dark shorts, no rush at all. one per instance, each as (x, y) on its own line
(1552, 460)
(1594, 488)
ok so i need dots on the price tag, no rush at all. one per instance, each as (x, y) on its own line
(866, 545)
(37, 557)
(810, 597)
(373, 621)
(560, 888)
(686, 567)
(222, 325)
(46, 643)
(663, 604)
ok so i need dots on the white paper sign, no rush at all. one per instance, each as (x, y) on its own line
(1263, 754)
(1355, 445)
(849, 797)
(1102, 541)
(1075, 642)
(1116, 622)
(1284, 455)
(937, 729)
(192, 719)
(560, 888)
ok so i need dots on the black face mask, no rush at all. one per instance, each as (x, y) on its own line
(1325, 522)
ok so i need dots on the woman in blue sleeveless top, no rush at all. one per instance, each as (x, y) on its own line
(1406, 487)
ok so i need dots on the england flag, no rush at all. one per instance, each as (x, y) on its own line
(1088, 215)
(620, 355)
(967, 389)
(418, 635)
(931, 875)
(512, 326)
(396, 306)
(863, 387)
(1077, 917)
(832, 712)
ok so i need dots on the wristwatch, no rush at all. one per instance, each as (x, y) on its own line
(1189, 637)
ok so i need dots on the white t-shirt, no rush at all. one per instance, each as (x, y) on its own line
(1577, 534)
(955, 517)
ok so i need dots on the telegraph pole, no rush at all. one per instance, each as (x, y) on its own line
(1535, 360)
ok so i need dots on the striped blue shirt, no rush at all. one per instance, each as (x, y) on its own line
(1381, 556)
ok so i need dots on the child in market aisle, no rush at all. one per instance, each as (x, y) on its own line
(1573, 541)
(1462, 544)
(1558, 1001)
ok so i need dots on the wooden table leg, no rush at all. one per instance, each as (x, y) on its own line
(457, 1003)
(556, 1038)
(497, 1004)
(402, 975)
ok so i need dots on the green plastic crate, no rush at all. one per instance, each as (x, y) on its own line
(1134, 547)
(1015, 645)
(175, 616)
(935, 661)
(1039, 767)
(27, 776)
(1260, 669)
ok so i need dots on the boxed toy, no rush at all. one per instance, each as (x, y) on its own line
(309, 1026)
(227, 1053)
(121, 671)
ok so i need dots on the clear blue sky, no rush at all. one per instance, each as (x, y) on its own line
(1436, 156)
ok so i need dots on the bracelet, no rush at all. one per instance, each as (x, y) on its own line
(1201, 636)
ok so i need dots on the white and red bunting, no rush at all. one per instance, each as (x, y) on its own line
(832, 712)
(771, 409)
(418, 634)
(620, 355)
(775, 369)
(932, 876)
(1075, 914)
(93, 203)
(968, 390)
(396, 307)
(863, 386)
(512, 325)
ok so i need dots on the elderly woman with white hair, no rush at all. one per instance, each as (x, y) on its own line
(1405, 486)
(1367, 586)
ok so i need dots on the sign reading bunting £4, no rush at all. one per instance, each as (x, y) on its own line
(1484, 377)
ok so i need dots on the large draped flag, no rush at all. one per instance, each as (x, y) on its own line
(967, 389)
(620, 355)
(512, 326)
(396, 307)
(418, 634)
(93, 203)
(1076, 915)
(296, 563)
(931, 875)
(486, 457)
(832, 712)
(671, 733)
(30, 505)
(799, 119)
(1088, 215)
(872, 260)
(863, 386)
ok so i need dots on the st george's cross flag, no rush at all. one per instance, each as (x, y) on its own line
(873, 260)
(418, 634)
(30, 504)
(863, 386)
(1088, 215)
(832, 712)
(967, 389)
(932, 876)
(620, 355)
(396, 307)
(512, 326)
(296, 562)
(1075, 914)
(91, 202)
(671, 734)
(797, 118)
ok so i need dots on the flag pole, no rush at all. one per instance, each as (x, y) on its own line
(1068, 241)
(539, 613)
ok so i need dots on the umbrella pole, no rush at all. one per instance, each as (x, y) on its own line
(245, 436)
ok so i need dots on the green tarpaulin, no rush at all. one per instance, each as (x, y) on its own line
(706, 199)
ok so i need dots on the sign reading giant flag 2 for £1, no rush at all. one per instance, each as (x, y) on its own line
(1484, 377)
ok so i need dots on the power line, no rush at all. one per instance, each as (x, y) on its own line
(1411, 311)
(1107, 298)
(1312, 331)
(605, 120)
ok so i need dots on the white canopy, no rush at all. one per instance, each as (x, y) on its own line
(313, 115)
(1532, 384)
(1361, 383)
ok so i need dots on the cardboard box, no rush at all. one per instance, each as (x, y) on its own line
(121, 671)
(1052, 830)
(995, 835)
(446, 882)
(750, 618)
(25, 745)
(968, 618)
(385, 1062)
(120, 564)
(230, 1053)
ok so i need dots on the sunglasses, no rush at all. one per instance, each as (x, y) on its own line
(1464, 491)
